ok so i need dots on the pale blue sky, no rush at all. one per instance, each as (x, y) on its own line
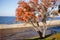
(7, 7)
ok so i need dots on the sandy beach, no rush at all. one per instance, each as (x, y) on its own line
(49, 24)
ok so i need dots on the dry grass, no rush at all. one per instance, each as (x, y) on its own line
(53, 37)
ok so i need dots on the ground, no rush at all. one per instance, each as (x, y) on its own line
(27, 32)
(52, 37)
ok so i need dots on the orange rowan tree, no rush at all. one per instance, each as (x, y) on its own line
(32, 12)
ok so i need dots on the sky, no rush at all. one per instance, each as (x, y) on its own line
(8, 7)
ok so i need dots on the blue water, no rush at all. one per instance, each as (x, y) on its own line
(7, 20)
(11, 20)
(57, 29)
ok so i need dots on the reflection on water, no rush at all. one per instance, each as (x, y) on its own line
(56, 29)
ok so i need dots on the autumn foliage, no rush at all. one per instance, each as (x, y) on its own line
(24, 11)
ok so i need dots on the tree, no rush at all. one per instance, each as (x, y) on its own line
(33, 13)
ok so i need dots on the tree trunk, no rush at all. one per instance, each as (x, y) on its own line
(40, 34)
(37, 28)
(44, 29)
(59, 9)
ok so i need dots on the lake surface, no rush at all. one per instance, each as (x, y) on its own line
(11, 20)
